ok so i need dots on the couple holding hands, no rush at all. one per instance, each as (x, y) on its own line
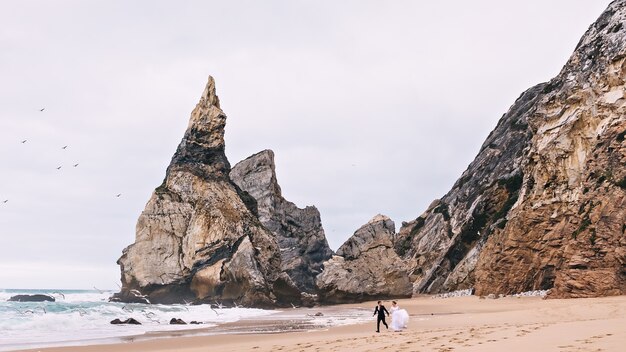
(399, 317)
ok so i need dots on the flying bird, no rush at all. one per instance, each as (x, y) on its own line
(75, 165)
(119, 195)
(59, 293)
(64, 147)
(59, 168)
(24, 141)
(42, 109)
(5, 201)
(28, 311)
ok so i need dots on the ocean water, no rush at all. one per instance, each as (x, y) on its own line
(81, 315)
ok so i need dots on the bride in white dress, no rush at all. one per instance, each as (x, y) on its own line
(399, 317)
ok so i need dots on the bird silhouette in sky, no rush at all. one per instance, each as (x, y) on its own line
(42, 109)
(64, 147)
(59, 168)
(119, 195)
(24, 141)
(5, 201)
(76, 165)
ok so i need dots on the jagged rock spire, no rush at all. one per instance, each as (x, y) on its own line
(299, 232)
(197, 239)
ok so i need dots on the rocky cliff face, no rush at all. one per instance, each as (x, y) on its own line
(366, 267)
(441, 246)
(543, 204)
(299, 232)
(199, 238)
(567, 230)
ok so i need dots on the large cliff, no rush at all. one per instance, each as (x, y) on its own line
(299, 232)
(543, 205)
(567, 230)
(199, 238)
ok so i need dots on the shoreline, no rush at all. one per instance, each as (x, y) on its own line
(284, 320)
(437, 324)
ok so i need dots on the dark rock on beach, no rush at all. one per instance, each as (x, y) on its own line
(130, 321)
(31, 298)
(177, 321)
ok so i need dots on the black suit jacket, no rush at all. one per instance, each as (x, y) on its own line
(381, 312)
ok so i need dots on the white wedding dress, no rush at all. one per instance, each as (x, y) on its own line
(399, 318)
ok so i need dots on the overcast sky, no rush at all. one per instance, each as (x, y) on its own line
(370, 106)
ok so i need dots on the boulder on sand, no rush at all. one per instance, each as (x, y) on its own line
(130, 321)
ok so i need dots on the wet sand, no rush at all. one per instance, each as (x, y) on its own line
(452, 324)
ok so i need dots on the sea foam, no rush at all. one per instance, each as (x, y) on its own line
(85, 315)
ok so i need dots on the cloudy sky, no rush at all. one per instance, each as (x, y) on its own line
(370, 106)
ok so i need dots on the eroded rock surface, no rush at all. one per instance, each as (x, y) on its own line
(366, 267)
(442, 245)
(299, 232)
(567, 231)
(199, 238)
(543, 204)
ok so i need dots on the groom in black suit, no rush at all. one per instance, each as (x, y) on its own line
(380, 310)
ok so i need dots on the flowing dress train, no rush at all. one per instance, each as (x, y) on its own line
(399, 319)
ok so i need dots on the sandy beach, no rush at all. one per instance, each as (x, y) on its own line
(452, 324)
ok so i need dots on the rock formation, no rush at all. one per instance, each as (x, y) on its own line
(441, 246)
(543, 205)
(567, 230)
(199, 238)
(299, 232)
(129, 321)
(366, 267)
(31, 298)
